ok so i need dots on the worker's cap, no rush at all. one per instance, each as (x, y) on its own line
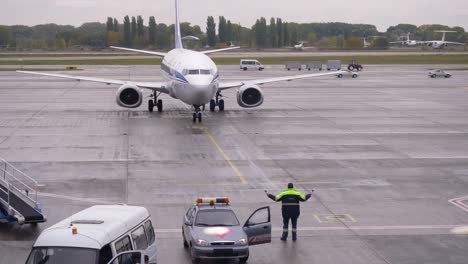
(290, 185)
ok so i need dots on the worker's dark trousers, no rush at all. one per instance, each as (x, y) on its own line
(286, 218)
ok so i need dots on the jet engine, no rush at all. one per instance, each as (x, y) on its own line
(129, 96)
(249, 96)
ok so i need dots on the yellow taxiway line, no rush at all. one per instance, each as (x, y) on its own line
(223, 154)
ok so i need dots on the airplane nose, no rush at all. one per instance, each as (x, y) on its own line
(202, 93)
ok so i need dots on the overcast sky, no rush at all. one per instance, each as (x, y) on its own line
(380, 13)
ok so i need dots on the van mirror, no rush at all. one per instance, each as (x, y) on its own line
(128, 257)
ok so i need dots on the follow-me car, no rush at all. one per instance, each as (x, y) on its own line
(211, 230)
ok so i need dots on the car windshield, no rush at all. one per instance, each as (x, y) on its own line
(216, 217)
(57, 255)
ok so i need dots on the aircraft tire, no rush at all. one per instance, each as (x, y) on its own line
(150, 105)
(194, 117)
(221, 105)
(160, 105)
(199, 117)
(212, 105)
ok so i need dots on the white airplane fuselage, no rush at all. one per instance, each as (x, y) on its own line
(192, 76)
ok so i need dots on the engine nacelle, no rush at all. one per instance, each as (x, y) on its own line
(129, 96)
(249, 96)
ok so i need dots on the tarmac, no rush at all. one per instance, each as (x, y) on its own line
(386, 154)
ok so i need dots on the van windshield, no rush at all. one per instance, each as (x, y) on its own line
(57, 255)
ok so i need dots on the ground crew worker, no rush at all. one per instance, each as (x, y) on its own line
(290, 208)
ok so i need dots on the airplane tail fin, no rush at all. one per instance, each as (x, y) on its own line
(178, 38)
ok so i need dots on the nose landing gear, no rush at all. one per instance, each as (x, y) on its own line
(217, 102)
(197, 114)
(152, 103)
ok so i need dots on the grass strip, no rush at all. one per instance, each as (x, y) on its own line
(398, 59)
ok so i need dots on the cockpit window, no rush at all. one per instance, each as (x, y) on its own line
(197, 72)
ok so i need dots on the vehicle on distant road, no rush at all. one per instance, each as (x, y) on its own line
(211, 230)
(293, 65)
(439, 73)
(347, 74)
(354, 65)
(333, 64)
(251, 65)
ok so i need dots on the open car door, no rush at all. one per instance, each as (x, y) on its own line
(258, 227)
(129, 257)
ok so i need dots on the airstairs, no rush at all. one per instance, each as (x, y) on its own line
(18, 196)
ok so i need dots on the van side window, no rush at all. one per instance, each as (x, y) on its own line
(139, 238)
(123, 245)
(149, 232)
(105, 254)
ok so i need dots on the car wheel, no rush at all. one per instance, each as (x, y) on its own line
(244, 260)
(448, 76)
(186, 245)
(433, 76)
(354, 76)
(340, 75)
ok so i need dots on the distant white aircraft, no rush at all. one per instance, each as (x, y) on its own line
(441, 44)
(191, 77)
(408, 42)
(300, 46)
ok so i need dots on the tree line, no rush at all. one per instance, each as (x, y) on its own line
(219, 32)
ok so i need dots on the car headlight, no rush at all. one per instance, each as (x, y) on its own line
(242, 242)
(202, 243)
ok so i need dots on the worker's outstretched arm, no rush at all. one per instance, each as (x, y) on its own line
(271, 196)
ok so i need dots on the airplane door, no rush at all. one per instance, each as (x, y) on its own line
(258, 227)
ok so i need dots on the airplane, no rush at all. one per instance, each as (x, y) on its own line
(190, 76)
(441, 44)
(300, 46)
(408, 42)
(366, 44)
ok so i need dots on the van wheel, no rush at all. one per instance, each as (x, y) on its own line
(245, 68)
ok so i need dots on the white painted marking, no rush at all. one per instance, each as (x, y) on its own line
(459, 203)
(78, 199)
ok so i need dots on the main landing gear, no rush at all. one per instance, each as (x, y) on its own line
(197, 114)
(152, 104)
(217, 102)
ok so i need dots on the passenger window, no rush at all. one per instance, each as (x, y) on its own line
(139, 238)
(123, 245)
(149, 232)
(105, 254)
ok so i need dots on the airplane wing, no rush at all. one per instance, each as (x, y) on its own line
(159, 54)
(155, 86)
(454, 43)
(228, 85)
(218, 50)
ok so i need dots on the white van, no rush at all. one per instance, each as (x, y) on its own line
(251, 64)
(96, 235)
